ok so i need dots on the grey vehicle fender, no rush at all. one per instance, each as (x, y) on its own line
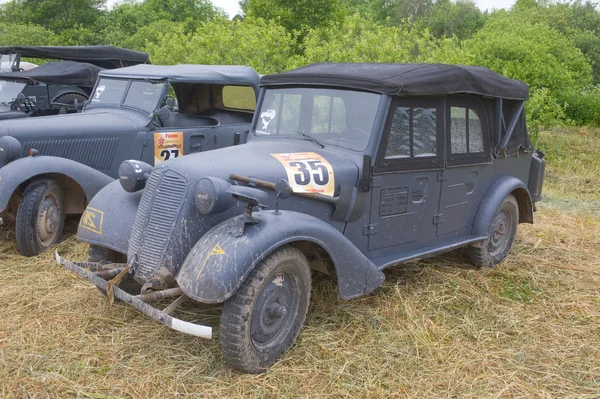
(21, 170)
(219, 262)
(108, 219)
(496, 193)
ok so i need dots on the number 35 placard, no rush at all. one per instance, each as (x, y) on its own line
(308, 172)
(167, 146)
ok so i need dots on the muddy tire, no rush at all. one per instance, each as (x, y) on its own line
(500, 238)
(40, 217)
(99, 254)
(262, 320)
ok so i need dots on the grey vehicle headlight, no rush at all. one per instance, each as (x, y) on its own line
(10, 149)
(211, 195)
(133, 175)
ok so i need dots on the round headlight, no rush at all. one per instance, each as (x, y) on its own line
(211, 195)
(133, 175)
(10, 149)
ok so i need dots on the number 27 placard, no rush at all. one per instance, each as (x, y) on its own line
(308, 172)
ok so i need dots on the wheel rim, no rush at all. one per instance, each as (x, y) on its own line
(48, 219)
(500, 232)
(275, 310)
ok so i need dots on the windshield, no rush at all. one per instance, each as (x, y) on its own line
(9, 91)
(141, 94)
(343, 118)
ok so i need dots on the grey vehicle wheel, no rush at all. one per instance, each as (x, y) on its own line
(40, 217)
(501, 236)
(264, 317)
(99, 254)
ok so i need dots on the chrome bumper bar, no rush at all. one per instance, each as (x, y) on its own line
(157, 314)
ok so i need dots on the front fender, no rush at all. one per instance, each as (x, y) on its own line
(108, 219)
(21, 170)
(492, 200)
(220, 262)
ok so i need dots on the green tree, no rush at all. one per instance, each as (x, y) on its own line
(56, 15)
(359, 39)
(25, 35)
(264, 46)
(295, 15)
(448, 18)
(522, 48)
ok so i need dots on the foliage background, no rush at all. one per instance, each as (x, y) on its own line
(554, 47)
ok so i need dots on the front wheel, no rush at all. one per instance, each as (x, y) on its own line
(40, 217)
(262, 320)
(501, 235)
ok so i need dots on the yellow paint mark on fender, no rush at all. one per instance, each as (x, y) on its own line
(217, 250)
(92, 220)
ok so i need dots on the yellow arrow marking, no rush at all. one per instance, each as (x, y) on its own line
(217, 250)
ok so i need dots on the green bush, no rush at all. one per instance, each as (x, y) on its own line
(25, 35)
(583, 106)
(266, 47)
(525, 49)
(359, 39)
(543, 112)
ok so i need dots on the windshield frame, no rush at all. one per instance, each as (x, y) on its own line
(380, 109)
(121, 105)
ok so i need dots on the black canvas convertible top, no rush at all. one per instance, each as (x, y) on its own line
(61, 73)
(405, 79)
(215, 74)
(102, 56)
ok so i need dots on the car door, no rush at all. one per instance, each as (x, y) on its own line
(467, 164)
(406, 189)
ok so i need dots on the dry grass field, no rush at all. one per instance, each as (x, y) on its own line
(529, 328)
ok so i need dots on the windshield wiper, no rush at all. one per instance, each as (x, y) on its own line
(311, 138)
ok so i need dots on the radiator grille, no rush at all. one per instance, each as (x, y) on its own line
(95, 152)
(155, 221)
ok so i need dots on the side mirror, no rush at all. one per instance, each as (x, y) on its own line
(283, 189)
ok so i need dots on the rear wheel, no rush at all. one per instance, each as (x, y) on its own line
(40, 217)
(264, 317)
(501, 235)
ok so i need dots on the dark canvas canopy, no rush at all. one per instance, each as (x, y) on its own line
(214, 74)
(405, 79)
(103, 56)
(61, 73)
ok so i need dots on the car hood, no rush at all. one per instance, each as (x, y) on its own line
(106, 121)
(264, 160)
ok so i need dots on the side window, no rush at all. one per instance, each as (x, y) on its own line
(239, 97)
(466, 134)
(413, 133)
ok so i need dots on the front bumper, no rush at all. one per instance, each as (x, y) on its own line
(157, 314)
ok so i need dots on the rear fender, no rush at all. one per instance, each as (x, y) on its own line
(22, 170)
(494, 197)
(220, 262)
(108, 219)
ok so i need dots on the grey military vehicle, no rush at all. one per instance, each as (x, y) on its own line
(53, 166)
(55, 87)
(349, 169)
